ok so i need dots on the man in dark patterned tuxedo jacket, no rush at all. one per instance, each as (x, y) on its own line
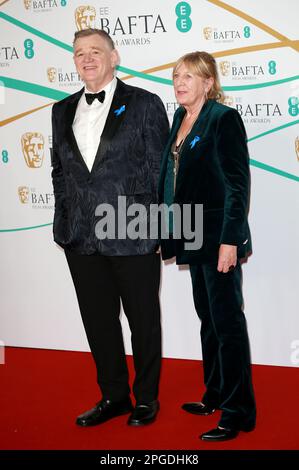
(107, 142)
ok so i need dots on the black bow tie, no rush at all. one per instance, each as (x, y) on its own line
(90, 97)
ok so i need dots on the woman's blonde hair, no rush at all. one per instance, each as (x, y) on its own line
(203, 64)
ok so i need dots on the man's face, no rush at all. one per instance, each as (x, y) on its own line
(95, 61)
(33, 149)
(51, 74)
(297, 147)
(85, 17)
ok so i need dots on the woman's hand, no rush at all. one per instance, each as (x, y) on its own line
(227, 258)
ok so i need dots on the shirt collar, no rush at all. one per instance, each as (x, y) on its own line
(109, 88)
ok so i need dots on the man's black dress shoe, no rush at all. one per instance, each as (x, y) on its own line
(218, 434)
(144, 413)
(198, 408)
(103, 411)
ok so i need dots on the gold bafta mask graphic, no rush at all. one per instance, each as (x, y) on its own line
(33, 149)
(228, 101)
(27, 4)
(23, 193)
(85, 17)
(51, 72)
(207, 32)
(297, 147)
(224, 67)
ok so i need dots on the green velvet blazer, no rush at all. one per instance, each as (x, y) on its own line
(214, 172)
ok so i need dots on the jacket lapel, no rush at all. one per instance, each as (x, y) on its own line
(175, 126)
(197, 134)
(198, 128)
(116, 115)
(70, 116)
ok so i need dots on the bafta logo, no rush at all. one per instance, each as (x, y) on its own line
(27, 4)
(297, 147)
(228, 101)
(33, 149)
(52, 73)
(23, 192)
(224, 68)
(207, 32)
(85, 17)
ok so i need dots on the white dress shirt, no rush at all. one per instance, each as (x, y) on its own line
(89, 122)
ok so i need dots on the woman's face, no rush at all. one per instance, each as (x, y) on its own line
(189, 87)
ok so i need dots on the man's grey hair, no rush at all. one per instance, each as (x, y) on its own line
(90, 32)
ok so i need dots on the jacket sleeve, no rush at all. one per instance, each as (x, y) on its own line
(234, 161)
(57, 180)
(156, 135)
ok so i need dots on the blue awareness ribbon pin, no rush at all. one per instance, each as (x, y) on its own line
(194, 141)
(120, 110)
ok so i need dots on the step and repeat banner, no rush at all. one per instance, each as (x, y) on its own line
(256, 45)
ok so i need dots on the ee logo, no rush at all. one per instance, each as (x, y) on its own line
(29, 52)
(246, 31)
(4, 156)
(293, 102)
(272, 67)
(183, 22)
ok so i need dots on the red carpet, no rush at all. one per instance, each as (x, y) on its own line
(43, 391)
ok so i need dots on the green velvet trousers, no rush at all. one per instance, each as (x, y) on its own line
(225, 347)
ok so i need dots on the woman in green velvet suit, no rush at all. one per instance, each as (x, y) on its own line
(206, 162)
